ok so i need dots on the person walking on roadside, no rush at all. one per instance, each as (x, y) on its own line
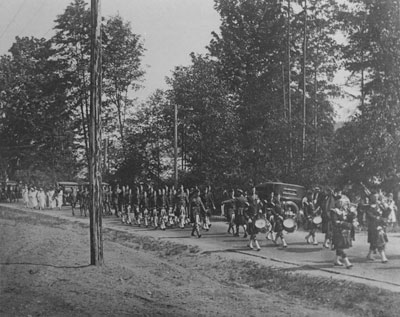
(51, 197)
(392, 220)
(41, 197)
(59, 197)
(74, 199)
(25, 196)
(33, 203)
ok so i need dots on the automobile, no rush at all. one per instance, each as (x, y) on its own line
(103, 184)
(291, 194)
(67, 190)
(9, 191)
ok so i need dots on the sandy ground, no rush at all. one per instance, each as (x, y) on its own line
(44, 271)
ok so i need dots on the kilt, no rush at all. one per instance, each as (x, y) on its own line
(251, 228)
(326, 225)
(240, 219)
(341, 238)
(278, 227)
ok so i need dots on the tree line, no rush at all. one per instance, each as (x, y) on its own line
(259, 105)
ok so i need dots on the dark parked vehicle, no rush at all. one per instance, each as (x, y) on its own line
(291, 195)
(67, 190)
(9, 191)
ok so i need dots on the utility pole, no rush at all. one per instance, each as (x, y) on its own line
(304, 82)
(176, 145)
(95, 207)
(289, 92)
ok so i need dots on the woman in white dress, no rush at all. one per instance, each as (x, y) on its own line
(50, 197)
(33, 198)
(25, 196)
(392, 220)
(41, 197)
(59, 198)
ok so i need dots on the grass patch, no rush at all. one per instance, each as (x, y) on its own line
(349, 297)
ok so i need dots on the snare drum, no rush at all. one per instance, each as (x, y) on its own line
(317, 220)
(260, 223)
(289, 224)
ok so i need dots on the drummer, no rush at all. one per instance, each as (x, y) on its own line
(278, 214)
(310, 213)
(269, 206)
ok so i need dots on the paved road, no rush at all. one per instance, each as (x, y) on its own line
(298, 256)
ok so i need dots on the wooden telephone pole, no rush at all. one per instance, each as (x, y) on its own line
(304, 83)
(175, 145)
(95, 208)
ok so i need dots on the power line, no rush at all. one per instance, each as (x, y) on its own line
(13, 19)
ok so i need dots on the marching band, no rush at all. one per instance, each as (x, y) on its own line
(329, 211)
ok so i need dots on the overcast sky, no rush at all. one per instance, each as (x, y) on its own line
(171, 30)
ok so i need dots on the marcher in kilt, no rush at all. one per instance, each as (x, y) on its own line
(327, 204)
(229, 209)
(241, 206)
(153, 207)
(162, 205)
(342, 223)
(251, 214)
(135, 201)
(377, 214)
(209, 205)
(279, 215)
(269, 206)
(144, 210)
(309, 214)
(180, 207)
(171, 204)
(196, 208)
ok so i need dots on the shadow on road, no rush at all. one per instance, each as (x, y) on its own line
(302, 250)
(44, 264)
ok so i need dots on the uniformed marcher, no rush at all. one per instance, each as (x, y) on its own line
(279, 215)
(377, 214)
(342, 223)
(241, 206)
(181, 201)
(196, 208)
(252, 213)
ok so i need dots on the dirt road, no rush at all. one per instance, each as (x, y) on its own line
(44, 272)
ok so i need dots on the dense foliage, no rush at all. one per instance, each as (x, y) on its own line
(257, 106)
